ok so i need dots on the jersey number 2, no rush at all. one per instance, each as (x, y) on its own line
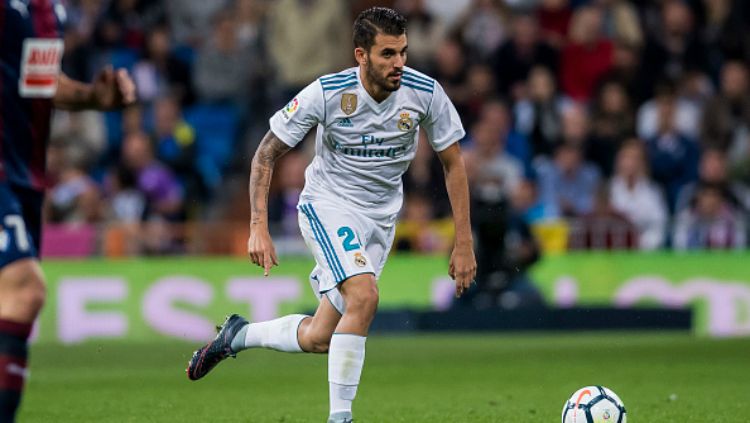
(348, 243)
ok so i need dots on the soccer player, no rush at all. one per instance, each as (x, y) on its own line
(367, 120)
(30, 86)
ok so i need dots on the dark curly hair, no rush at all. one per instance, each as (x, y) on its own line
(377, 20)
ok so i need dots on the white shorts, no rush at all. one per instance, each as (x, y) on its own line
(344, 243)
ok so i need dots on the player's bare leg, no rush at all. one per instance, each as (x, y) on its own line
(314, 334)
(346, 355)
(292, 333)
(22, 295)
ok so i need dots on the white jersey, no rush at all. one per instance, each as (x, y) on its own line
(363, 147)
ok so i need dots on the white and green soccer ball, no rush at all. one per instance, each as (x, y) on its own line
(594, 404)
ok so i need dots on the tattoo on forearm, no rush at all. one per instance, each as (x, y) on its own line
(269, 150)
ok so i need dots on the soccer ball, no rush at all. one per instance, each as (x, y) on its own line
(594, 404)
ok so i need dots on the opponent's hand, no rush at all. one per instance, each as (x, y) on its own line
(261, 251)
(462, 268)
(113, 89)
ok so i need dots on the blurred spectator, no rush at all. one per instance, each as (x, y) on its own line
(696, 88)
(612, 120)
(418, 231)
(713, 169)
(191, 20)
(308, 38)
(539, 115)
(725, 32)
(425, 33)
(451, 71)
(133, 119)
(675, 48)
(176, 146)
(124, 210)
(484, 26)
(495, 113)
(554, 20)
(76, 62)
(480, 89)
(576, 129)
(160, 71)
(73, 196)
(164, 201)
(726, 121)
(604, 228)
(526, 202)
(710, 223)
(587, 57)
(86, 129)
(621, 22)
(250, 15)
(673, 157)
(627, 69)
(687, 114)
(567, 183)
(223, 68)
(160, 187)
(125, 22)
(493, 174)
(82, 17)
(633, 194)
(126, 203)
(514, 59)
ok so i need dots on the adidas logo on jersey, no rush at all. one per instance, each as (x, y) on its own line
(345, 123)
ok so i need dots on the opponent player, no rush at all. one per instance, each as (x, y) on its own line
(367, 121)
(30, 85)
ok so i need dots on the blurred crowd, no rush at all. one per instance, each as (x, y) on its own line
(625, 123)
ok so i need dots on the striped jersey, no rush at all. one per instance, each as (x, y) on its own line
(31, 50)
(363, 147)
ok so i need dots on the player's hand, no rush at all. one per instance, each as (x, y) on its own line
(261, 251)
(113, 89)
(462, 268)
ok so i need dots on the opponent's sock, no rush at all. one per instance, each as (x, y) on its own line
(279, 334)
(346, 356)
(13, 355)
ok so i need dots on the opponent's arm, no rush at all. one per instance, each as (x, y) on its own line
(463, 265)
(110, 90)
(260, 246)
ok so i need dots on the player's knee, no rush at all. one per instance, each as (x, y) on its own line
(364, 299)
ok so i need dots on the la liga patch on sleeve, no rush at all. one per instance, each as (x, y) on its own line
(290, 109)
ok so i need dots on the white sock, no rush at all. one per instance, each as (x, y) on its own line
(346, 356)
(279, 334)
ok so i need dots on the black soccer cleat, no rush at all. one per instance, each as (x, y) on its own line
(341, 417)
(210, 355)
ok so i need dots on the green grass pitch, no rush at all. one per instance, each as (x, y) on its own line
(438, 378)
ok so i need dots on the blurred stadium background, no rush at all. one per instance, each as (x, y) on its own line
(608, 152)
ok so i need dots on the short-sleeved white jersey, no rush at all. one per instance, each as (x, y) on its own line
(363, 147)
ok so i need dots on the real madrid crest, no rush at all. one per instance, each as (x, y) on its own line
(406, 122)
(360, 260)
(348, 103)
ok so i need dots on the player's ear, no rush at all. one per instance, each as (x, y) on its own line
(360, 55)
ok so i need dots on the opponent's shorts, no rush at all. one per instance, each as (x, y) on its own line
(344, 243)
(20, 223)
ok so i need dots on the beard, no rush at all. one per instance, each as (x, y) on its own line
(382, 81)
